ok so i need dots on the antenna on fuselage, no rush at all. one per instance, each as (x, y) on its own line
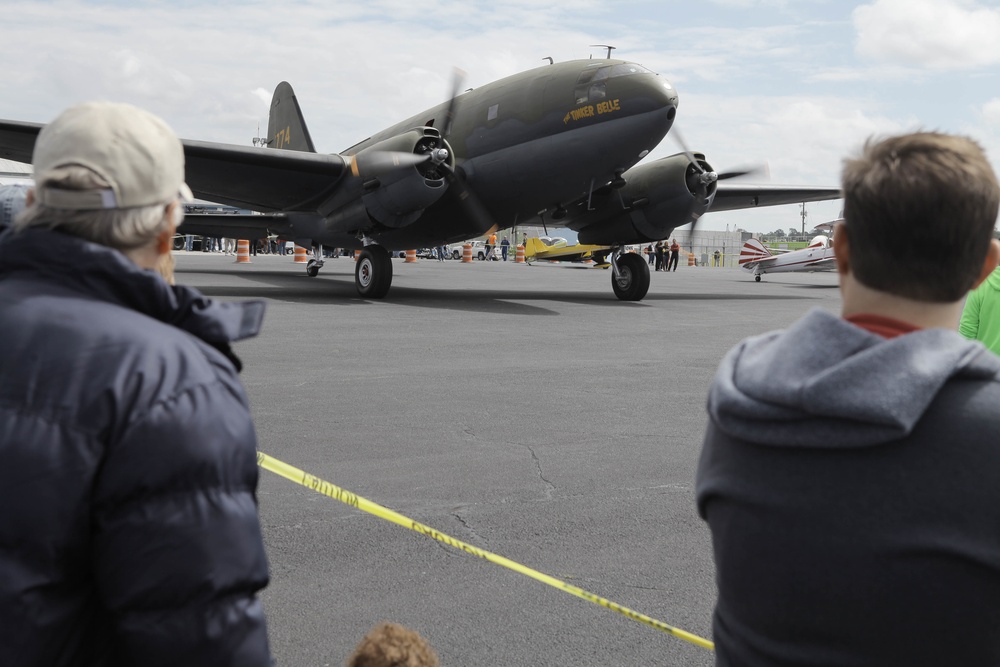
(604, 46)
(549, 58)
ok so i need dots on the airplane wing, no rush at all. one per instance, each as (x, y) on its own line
(263, 179)
(734, 196)
(17, 140)
(238, 226)
(828, 264)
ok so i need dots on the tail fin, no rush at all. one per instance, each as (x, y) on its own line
(753, 251)
(533, 245)
(285, 125)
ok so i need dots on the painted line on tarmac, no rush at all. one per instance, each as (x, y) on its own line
(333, 491)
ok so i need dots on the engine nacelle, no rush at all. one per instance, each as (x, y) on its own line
(662, 195)
(396, 190)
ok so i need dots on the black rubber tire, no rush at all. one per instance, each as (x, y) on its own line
(456, 254)
(633, 281)
(756, 278)
(373, 273)
(312, 268)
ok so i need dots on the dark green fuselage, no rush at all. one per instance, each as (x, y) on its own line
(537, 141)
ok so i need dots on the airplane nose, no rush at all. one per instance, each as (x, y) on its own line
(652, 93)
(666, 95)
(671, 93)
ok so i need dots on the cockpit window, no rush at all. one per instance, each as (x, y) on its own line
(626, 69)
(585, 92)
(583, 84)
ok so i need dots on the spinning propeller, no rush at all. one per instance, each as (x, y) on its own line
(456, 181)
(701, 178)
(432, 157)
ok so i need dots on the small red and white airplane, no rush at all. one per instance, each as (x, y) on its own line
(817, 256)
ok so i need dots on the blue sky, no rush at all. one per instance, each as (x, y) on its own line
(795, 84)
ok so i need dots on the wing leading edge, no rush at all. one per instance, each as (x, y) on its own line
(262, 179)
(732, 196)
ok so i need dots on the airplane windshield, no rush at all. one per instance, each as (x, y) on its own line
(590, 85)
(625, 69)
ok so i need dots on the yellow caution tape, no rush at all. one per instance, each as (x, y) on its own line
(333, 491)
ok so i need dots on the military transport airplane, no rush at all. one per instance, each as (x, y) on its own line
(556, 145)
(817, 256)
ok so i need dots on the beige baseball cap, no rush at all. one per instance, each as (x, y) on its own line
(134, 151)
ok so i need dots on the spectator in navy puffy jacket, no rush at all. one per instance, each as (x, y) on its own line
(130, 533)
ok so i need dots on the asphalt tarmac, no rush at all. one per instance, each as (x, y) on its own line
(522, 409)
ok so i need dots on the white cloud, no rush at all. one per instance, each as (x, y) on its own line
(759, 80)
(802, 139)
(991, 113)
(936, 34)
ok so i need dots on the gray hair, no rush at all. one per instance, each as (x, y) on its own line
(122, 229)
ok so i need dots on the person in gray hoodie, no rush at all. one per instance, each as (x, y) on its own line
(850, 474)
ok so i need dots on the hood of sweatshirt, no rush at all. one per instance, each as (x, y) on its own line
(825, 382)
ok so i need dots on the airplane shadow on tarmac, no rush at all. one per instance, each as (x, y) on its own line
(340, 290)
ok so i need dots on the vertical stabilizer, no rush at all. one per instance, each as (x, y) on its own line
(285, 126)
(752, 253)
(533, 246)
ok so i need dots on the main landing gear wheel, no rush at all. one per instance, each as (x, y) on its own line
(632, 281)
(373, 273)
(312, 268)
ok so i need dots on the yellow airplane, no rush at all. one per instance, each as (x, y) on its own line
(536, 248)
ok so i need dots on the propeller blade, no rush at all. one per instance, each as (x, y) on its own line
(760, 169)
(687, 151)
(474, 208)
(457, 79)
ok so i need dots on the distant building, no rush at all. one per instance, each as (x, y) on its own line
(14, 172)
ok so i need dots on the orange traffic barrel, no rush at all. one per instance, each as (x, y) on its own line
(301, 255)
(242, 252)
(411, 256)
(467, 253)
(691, 259)
(519, 254)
